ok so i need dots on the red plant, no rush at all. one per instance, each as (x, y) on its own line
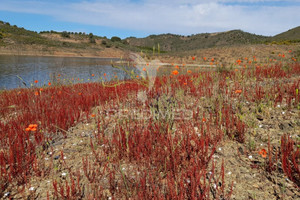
(290, 157)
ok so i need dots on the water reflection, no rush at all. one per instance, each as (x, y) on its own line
(16, 71)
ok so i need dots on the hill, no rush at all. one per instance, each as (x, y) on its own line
(171, 42)
(292, 34)
(19, 41)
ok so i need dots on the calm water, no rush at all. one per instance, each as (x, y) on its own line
(22, 71)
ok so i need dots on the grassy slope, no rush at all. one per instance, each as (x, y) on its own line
(170, 42)
(292, 34)
(14, 37)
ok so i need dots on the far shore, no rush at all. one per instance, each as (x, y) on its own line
(106, 53)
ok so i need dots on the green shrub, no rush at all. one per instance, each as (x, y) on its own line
(115, 39)
(65, 34)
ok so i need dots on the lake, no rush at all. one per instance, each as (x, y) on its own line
(23, 71)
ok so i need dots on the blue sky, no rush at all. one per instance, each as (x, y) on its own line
(140, 18)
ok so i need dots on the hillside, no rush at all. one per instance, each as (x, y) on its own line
(171, 42)
(19, 41)
(292, 34)
(16, 40)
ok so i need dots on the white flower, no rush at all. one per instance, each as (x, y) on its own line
(64, 174)
(250, 157)
(229, 173)
(31, 188)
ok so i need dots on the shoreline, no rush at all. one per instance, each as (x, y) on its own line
(104, 53)
(58, 56)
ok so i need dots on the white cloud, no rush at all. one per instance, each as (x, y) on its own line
(177, 16)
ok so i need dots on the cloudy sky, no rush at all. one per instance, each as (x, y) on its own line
(141, 18)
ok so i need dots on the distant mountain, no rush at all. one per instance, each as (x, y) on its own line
(171, 42)
(292, 34)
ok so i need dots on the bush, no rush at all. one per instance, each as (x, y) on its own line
(65, 34)
(92, 40)
(115, 39)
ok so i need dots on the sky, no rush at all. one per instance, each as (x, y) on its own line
(140, 18)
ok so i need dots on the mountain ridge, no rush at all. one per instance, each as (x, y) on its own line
(12, 35)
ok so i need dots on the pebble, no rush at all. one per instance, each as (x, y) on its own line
(6, 194)
(229, 173)
(250, 157)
